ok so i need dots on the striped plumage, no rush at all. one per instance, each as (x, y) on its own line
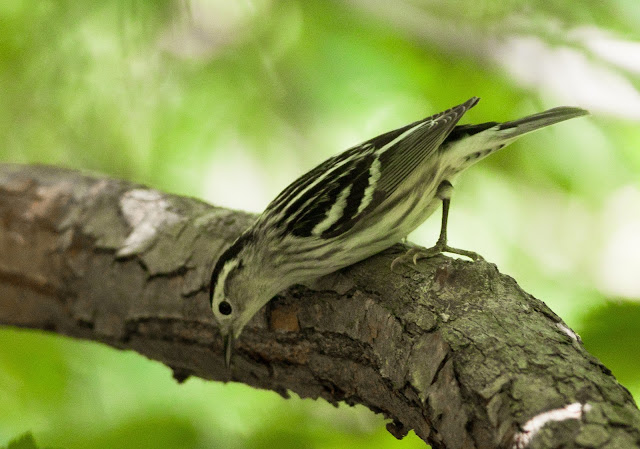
(354, 205)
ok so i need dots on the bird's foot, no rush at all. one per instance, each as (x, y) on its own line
(413, 255)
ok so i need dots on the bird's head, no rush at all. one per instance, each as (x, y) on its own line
(238, 290)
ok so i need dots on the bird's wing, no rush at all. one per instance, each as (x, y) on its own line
(331, 198)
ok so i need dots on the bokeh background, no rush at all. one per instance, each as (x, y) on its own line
(231, 100)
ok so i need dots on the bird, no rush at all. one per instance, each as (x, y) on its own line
(357, 204)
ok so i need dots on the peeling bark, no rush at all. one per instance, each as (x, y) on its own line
(453, 349)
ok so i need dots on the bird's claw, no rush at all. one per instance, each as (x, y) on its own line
(415, 254)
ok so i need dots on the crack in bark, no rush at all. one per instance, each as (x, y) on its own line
(446, 359)
(21, 280)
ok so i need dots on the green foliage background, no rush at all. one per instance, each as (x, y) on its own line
(229, 101)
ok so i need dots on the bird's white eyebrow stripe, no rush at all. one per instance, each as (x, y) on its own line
(229, 266)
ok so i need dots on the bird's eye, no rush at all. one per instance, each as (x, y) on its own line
(225, 308)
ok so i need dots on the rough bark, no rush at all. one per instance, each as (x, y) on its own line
(453, 349)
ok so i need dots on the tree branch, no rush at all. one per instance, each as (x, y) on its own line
(456, 351)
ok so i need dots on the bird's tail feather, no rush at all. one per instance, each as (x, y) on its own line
(468, 144)
(516, 128)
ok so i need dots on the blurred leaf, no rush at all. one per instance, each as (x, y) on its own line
(33, 373)
(150, 431)
(25, 441)
(611, 333)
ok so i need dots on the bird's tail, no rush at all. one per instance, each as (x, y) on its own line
(516, 128)
(467, 144)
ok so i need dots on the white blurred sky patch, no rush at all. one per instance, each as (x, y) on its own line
(570, 75)
(621, 53)
(206, 27)
(587, 72)
(592, 70)
(236, 179)
(619, 269)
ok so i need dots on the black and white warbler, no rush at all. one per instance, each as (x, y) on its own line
(355, 205)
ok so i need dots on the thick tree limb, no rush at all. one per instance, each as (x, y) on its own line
(457, 351)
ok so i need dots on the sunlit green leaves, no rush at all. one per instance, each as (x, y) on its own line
(612, 332)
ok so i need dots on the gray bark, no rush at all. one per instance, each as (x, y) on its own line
(452, 349)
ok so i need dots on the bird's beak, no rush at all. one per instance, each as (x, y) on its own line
(228, 347)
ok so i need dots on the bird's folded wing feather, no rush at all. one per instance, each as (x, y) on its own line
(331, 198)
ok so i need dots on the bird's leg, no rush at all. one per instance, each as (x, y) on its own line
(444, 192)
